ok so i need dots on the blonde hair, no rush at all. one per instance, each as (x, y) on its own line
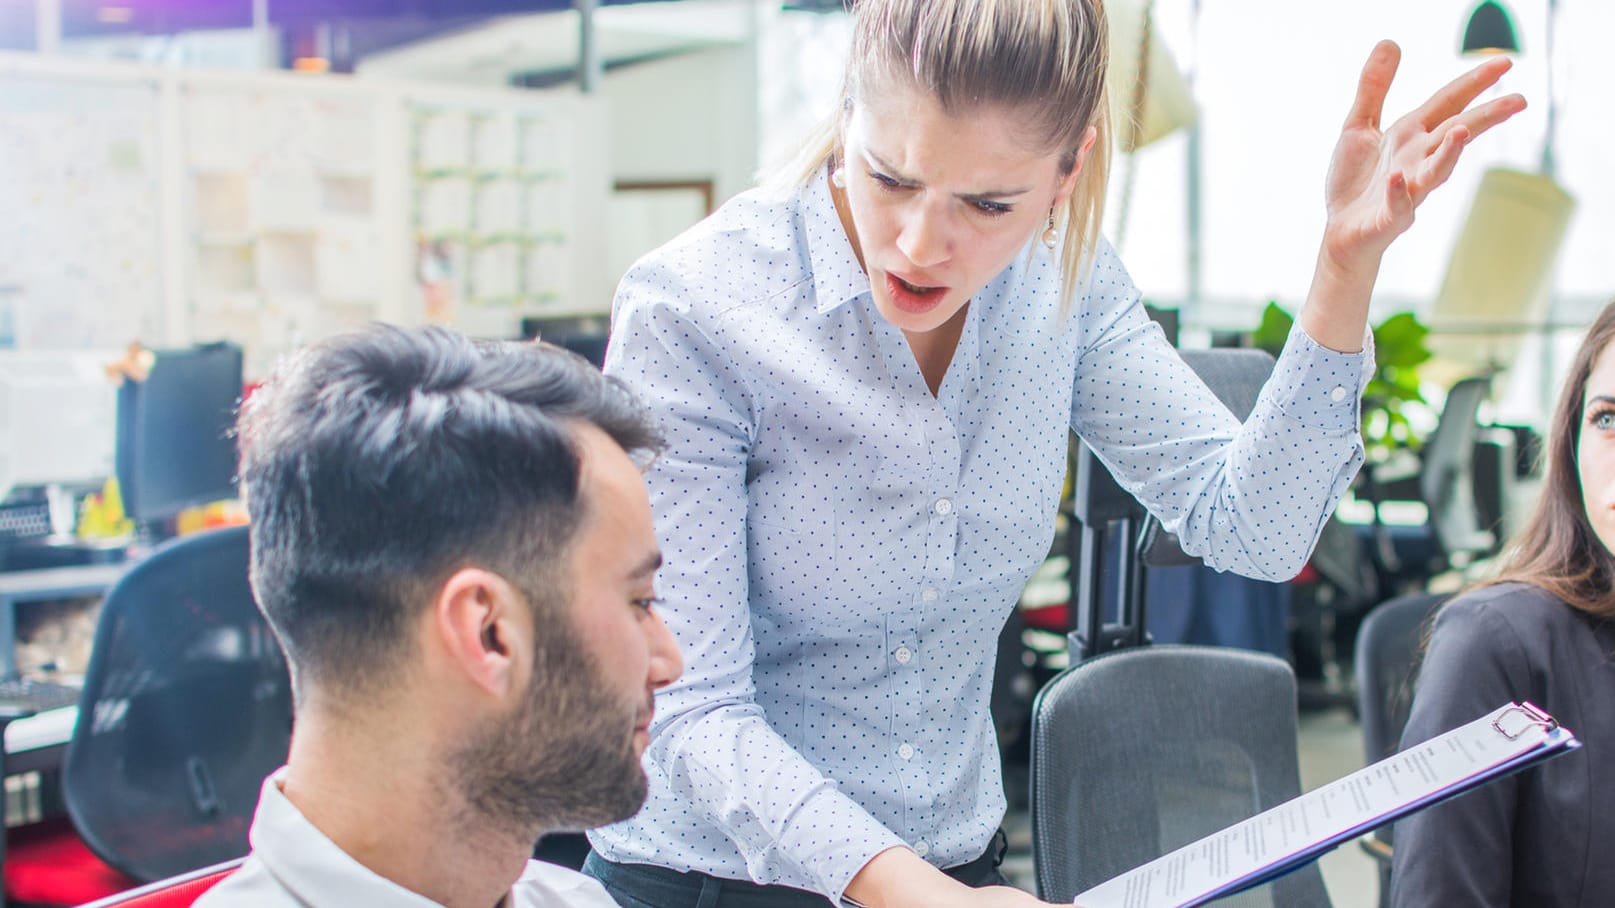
(1044, 58)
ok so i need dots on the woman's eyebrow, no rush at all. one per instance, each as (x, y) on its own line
(893, 172)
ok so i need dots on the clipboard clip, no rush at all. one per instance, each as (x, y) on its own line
(1525, 716)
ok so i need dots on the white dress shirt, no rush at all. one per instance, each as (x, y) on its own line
(293, 865)
(842, 547)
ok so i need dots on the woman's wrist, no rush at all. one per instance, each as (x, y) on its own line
(898, 877)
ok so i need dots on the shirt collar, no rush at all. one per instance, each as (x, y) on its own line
(837, 276)
(312, 867)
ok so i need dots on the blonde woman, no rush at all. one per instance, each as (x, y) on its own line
(867, 376)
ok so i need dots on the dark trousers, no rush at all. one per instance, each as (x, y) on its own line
(648, 886)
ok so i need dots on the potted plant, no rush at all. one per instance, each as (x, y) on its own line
(1392, 395)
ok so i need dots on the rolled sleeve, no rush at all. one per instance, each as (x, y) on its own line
(1247, 497)
(1318, 387)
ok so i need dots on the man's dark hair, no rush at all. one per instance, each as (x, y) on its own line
(377, 463)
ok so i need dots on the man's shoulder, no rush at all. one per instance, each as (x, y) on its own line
(545, 885)
(541, 885)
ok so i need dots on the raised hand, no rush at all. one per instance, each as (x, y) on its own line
(1377, 178)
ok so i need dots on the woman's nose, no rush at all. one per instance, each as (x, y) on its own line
(925, 238)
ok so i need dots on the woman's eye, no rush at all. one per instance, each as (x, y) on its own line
(1604, 421)
(991, 208)
(885, 181)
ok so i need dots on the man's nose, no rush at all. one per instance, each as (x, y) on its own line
(666, 664)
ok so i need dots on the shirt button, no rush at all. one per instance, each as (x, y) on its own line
(944, 506)
(930, 594)
(922, 848)
(1338, 394)
(905, 751)
(902, 655)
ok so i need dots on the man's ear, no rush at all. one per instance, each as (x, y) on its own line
(477, 619)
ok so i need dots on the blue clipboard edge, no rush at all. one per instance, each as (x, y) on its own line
(1560, 741)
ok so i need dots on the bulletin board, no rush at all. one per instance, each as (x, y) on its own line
(79, 231)
(279, 185)
(274, 209)
(492, 211)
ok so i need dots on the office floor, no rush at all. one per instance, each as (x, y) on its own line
(1331, 746)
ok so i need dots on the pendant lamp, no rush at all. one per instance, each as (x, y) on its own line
(1490, 31)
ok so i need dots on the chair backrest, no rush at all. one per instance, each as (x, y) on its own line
(1118, 535)
(1389, 645)
(186, 708)
(1447, 476)
(176, 892)
(1139, 752)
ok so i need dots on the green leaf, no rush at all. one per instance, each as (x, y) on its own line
(1399, 341)
(1274, 329)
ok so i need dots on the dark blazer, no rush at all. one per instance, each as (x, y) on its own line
(1545, 837)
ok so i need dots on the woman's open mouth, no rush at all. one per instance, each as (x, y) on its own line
(914, 298)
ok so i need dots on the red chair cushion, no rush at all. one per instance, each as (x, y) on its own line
(175, 895)
(1054, 618)
(47, 863)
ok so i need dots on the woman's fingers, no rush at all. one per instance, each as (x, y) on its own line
(1479, 119)
(1372, 86)
(1439, 165)
(1456, 95)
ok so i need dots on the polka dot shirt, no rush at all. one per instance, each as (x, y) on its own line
(842, 547)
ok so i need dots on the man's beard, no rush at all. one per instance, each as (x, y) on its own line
(565, 760)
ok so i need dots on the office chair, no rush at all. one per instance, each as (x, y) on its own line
(176, 892)
(1453, 534)
(1119, 539)
(186, 709)
(1139, 752)
(1390, 644)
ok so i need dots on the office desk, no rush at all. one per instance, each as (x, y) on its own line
(51, 583)
(39, 742)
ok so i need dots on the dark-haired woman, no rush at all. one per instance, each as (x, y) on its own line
(1544, 631)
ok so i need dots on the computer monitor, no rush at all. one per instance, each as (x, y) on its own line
(175, 442)
(58, 411)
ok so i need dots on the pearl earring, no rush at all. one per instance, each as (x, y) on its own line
(1051, 237)
(839, 177)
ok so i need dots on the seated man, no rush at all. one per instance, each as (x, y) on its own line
(456, 551)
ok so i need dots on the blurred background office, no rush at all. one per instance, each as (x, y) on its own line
(191, 188)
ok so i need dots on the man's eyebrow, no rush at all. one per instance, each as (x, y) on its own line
(650, 565)
(892, 172)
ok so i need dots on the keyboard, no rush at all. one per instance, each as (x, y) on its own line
(37, 695)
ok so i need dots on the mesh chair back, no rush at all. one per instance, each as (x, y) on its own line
(1447, 476)
(1139, 752)
(186, 708)
(1389, 645)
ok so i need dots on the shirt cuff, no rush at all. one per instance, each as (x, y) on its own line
(831, 853)
(1320, 387)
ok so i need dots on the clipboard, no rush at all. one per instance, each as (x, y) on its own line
(1252, 852)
